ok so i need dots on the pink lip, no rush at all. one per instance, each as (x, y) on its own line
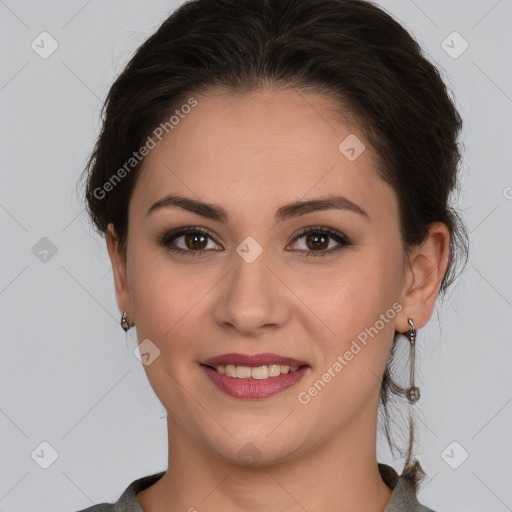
(253, 360)
(254, 388)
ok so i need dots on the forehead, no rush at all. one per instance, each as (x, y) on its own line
(267, 144)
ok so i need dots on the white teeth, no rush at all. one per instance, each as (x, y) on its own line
(256, 372)
(274, 370)
(242, 372)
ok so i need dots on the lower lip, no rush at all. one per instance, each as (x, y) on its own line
(254, 388)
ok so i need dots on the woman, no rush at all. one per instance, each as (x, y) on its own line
(272, 179)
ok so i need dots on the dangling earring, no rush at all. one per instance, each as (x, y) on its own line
(413, 393)
(124, 322)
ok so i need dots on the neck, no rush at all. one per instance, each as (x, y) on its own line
(340, 475)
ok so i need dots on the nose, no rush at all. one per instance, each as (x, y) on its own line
(253, 297)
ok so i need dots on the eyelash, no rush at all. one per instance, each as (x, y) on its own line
(167, 237)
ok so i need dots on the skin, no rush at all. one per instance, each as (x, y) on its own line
(251, 154)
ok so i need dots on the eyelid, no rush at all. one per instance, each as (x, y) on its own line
(167, 236)
(341, 239)
(320, 229)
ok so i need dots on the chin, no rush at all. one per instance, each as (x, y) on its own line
(258, 451)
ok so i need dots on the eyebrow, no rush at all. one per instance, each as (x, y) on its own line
(295, 209)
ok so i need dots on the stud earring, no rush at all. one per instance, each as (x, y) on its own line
(124, 322)
(413, 393)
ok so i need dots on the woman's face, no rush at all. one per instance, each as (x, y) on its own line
(252, 284)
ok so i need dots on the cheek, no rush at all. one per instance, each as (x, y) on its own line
(353, 295)
(359, 303)
(163, 300)
(156, 289)
(168, 301)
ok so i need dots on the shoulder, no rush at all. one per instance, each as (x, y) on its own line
(128, 499)
(404, 498)
(102, 507)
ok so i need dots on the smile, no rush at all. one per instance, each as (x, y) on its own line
(255, 372)
(259, 384)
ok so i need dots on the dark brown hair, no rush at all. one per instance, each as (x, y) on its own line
(351, 50)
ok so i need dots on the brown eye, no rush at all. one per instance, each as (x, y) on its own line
(317, 241)
(189, 241)
(195, 241)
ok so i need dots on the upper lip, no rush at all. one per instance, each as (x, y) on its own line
(253, 360)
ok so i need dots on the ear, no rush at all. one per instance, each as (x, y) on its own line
(119, 269)
(427, 264)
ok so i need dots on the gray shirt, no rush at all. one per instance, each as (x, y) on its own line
(403, 498)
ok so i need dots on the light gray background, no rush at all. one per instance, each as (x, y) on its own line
(69, 376)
